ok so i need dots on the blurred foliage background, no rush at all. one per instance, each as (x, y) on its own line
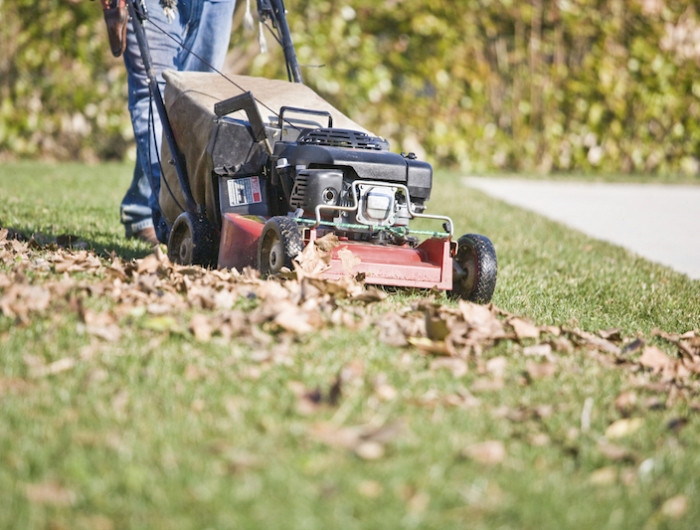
(481, 85)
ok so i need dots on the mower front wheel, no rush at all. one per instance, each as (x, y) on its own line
(192, 241)
(475, 269)
(280, 242)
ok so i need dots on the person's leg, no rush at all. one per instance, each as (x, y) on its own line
(208, 37)
(204, 26)
(134, 212)
(164, 50)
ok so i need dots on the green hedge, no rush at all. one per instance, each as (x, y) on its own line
(477, 84)
(62, 94)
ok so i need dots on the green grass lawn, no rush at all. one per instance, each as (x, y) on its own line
(160, 430)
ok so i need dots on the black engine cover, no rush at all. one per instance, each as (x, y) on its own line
(362, 163)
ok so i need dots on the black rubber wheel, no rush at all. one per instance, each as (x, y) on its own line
(475, 269)
(193, 241)
(280, 242)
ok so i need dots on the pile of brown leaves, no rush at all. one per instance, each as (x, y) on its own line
(457, 334)
(161, 290)
(38, 278)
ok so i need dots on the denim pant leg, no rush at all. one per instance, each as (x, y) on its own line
(209, 38)
(135, 212)
(214, 18)
(163, 53)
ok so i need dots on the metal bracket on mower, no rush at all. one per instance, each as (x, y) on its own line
(448, 224)
(304, 111)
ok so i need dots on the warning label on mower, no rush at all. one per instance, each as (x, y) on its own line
(244, 191)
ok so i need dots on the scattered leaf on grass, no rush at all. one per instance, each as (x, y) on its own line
(623, 427)
(418, 502)
(524, 329)
(367, 441)
(539, 439)
(614, 452)
(382, 389)
(370, 489)
(538, 350)
(458, 367)
(488, 453)
(594, 341)
(55, 367)
(604, 476)
(487, 385)
(626, 402)
(562, 345)
(370, 450)
(49, 493)
(675, 507)
(497, 367)
(540, 370)
(657, 361)
(429, 346)
(200, 327)
(308, 400)
(106, 332)
(612, 334)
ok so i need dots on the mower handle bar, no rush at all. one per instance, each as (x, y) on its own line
(325, 113)
(274, 10)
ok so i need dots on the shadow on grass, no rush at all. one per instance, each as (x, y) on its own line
(124, 249)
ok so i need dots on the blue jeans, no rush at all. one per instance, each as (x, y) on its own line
(203, 26)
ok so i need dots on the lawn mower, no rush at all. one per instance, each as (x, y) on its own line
(260, 168)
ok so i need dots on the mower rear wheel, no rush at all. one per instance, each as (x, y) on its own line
(280, 242)
(475, 269)
(192, 241)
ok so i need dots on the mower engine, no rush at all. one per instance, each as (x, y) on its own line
(352, 180)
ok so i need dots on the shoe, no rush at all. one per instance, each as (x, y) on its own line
(148, 235)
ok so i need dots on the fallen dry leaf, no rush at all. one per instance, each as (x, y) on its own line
(562, 345)
(539, 440)
(524, 329)
(201, 328)
(614, 452)
(55, 367)
(429, 346)
(49, 493)
(612, 334)
(657, 360)
(458, 367)
(497, 367)
(604, 476)
(488, 453)
(595, 341)
(308, 401)
(370, 489)
(539, 350)
(370, 450)
(367, 441)
(540, 370)
(418, 502)
(291, 319)
(675, 507)
(487, 385)
(383, 390)
(623, 427)
(626, 402)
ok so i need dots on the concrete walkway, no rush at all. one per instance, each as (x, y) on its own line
(659, 222)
